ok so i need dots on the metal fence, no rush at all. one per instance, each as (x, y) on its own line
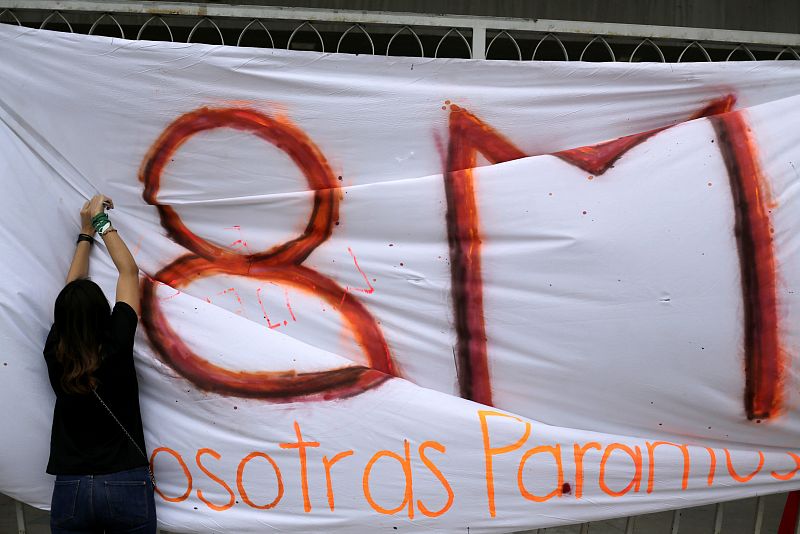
(416, 35)
(759, 515)
(398, 34)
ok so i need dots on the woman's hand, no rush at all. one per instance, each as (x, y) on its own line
(86, 220)
(98, 204)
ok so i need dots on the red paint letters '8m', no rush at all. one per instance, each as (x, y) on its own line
(468, 137)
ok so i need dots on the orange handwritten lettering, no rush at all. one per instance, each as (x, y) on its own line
(489, 451)
(215, 478)
(185, 472)
(408, 497)
(579, 453)
(790, 475)
(240, 483)
(712, 469)
(736, 476)
(438, 474)
(328, 464)
(636, 456)
(301, 446)
(556, 452)
(651, 464)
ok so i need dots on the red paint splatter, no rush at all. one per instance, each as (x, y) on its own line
(169, 297)
(288, 304)
(281, 263)
(270, 325)
(369, 289)
(242, 244)
(235, 293)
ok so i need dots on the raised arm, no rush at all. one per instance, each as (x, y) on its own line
(128, 281)
(80, 261)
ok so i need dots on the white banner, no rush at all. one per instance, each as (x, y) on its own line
(387, 292)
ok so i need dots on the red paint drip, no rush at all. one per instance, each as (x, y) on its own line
(751, 203)
(369, 289)
(288, 304)
(236, 296)
(264, 310)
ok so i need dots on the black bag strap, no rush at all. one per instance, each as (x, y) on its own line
(150, 471)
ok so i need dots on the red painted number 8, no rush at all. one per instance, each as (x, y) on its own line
(281, 264)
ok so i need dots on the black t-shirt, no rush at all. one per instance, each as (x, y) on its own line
(85, 439)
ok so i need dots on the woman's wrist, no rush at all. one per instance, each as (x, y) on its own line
(88, 230)
(101, 223)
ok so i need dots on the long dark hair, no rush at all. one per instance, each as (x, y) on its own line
(82, 317)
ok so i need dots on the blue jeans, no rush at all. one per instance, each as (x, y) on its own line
(116, 502)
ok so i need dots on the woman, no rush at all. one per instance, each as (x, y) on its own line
(97, 443)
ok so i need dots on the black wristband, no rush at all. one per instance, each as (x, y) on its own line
(85, 237)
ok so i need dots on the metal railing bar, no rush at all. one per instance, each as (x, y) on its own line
(560, 44)
(201, 9)
(147, 23)
(109, 15)
(458, 32)
(53, 14)
(514, 41)
(363, 30)
(584, 527)
(478, 49)
(21, 529)
(602, 40)
(199, 22)
(305, 23)
(256, 21)
(660, 53)
(398, 32)
(698, 45)
(741, 47)
(718, 516)
(759, 520)
(785, 48)
(676, 521)
(20, 24)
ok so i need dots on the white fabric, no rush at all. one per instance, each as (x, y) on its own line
(612, 303)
